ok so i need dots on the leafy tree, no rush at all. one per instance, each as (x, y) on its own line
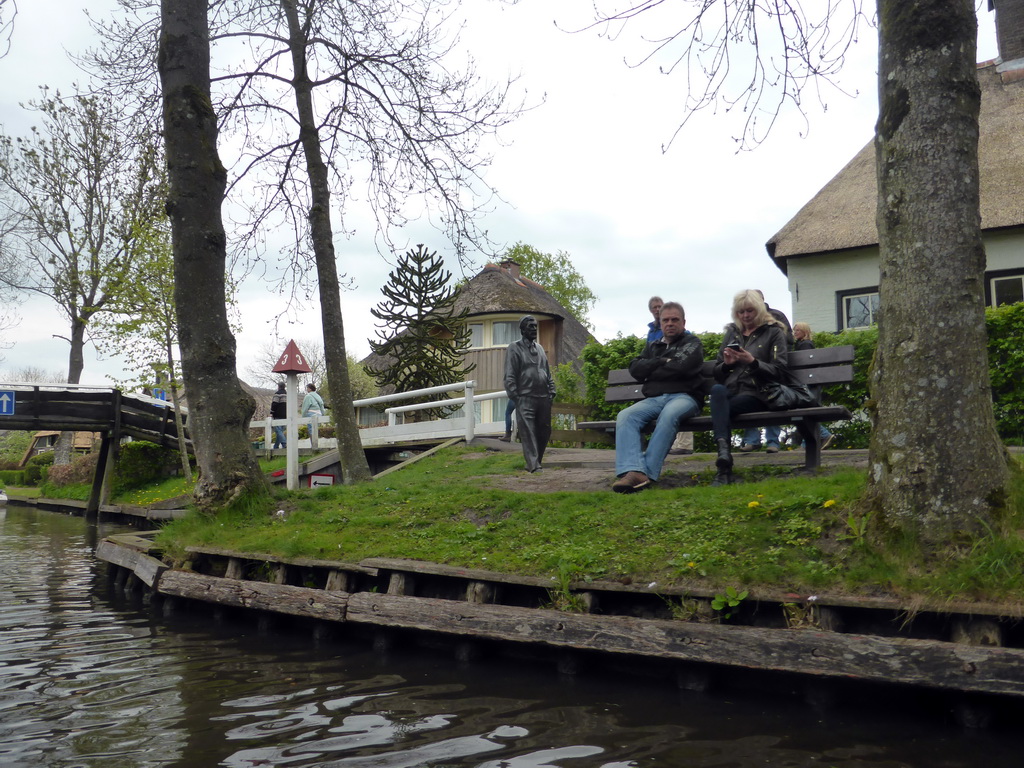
(75, 193)
(558, 276)
(931, 335)
(421, 337)
(220, 410)
(142, 321)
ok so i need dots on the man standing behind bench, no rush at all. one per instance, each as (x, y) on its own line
(673, 389)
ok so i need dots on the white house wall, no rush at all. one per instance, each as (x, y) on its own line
(1004, 250)
(814, 281)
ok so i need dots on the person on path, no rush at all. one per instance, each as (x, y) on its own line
(279, 410)
(312, 403)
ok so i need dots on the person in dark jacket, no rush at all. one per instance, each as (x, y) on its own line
(279, 410)
(670, 370)
(752, 437)
(529, 384)
(754, 352)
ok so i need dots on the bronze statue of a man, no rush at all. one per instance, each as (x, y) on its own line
(528, 382)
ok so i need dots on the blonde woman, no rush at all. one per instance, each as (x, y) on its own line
(754, 352)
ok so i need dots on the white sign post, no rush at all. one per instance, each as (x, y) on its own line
(291, 431)
(292, 363)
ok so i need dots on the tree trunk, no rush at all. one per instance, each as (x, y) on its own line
(350, 449)
(219, 410)
(63, 449)
(937, 467)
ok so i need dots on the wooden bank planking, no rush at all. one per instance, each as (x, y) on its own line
(390, 593)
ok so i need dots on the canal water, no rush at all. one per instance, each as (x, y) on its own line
(89, 678)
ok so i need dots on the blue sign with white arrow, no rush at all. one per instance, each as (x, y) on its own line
(6, 403)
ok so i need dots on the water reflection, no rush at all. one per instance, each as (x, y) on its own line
(90, 679)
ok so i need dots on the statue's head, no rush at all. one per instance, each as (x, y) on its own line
(528, 327)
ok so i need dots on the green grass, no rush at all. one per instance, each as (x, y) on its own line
(26, 491)
(799, 534)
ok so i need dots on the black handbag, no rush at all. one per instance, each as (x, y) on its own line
(783, 397)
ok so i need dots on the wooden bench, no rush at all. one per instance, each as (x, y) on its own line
(814, 367)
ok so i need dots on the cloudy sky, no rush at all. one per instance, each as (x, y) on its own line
(583, 173)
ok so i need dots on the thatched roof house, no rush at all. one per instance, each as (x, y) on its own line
(829, 250)
(496, 300)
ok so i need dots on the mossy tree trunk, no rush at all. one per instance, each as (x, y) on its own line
(219, 409)
(937, 467)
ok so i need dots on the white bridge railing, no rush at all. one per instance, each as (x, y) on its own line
(459, 426)
(464, 425)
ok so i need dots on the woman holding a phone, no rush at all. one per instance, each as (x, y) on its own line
(754, 352)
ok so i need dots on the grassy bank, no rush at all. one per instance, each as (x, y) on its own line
(799, 534)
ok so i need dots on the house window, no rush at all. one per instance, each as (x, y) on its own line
(503, 333)
(493, 333)
(857, 308)
(1005, 289)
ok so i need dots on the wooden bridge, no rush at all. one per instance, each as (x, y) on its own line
(71, 408)
(77, 408)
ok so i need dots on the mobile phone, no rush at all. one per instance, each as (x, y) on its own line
(733, 345)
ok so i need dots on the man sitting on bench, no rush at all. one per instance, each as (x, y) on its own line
(670, 371)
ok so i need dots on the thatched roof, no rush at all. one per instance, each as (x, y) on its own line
(842, 215)
(500, 289)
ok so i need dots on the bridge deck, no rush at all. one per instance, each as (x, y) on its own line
(101, 410)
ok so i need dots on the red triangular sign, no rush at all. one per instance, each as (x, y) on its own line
(291, 361)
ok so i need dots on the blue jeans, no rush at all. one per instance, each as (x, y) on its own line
(279, 437)
(668, 410)
(509, 407)
(753, 435)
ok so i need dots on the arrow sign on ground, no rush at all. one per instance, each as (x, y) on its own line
(291, 361)
(6, 403)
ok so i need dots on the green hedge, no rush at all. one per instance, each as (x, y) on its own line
(35, 468)
(141, 463)
(1005, 327)
(12, 477)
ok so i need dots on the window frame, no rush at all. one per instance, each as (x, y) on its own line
(998, 274)
(487, 332)
(843, 296)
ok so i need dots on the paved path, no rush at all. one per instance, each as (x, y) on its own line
(593, 469)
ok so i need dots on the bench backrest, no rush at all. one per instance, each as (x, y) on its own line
(814, 367)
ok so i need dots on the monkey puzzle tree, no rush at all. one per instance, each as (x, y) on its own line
(421, 339)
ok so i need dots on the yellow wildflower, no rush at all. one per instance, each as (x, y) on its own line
(753, 504)
(829, 503)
